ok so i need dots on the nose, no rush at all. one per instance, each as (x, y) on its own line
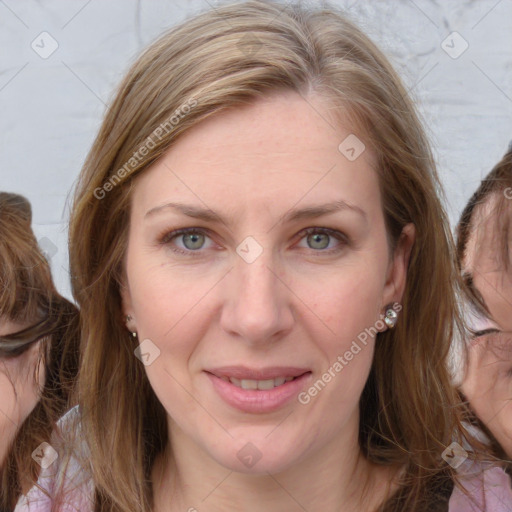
(257, 304)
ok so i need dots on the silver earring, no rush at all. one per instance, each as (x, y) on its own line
(391, 318)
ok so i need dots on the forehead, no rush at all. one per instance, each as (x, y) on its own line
(278, 150)
(482, 237)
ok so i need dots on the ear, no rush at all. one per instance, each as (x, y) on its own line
(397, 270)
(126, 304)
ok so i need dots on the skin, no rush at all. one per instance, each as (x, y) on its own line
(293, 306)
(489, 277)
(18, 388)
(488, 381)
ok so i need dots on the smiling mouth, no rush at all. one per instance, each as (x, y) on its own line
(258, 384)
(258, 390)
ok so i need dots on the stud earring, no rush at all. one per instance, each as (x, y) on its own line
(129, 319)
(390, 318)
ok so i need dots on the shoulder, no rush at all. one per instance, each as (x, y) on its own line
(486, 486)
(485, 489)
(64, 483)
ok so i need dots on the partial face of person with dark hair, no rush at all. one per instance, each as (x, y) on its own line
(19, 389)
(262, 299)
(488, 381)
(21, 379)
(38, 350)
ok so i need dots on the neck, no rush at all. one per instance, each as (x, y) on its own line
(333, 479)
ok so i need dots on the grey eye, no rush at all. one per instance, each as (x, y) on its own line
(193, 240)
(318, 243)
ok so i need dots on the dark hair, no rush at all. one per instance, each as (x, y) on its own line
(28, 295)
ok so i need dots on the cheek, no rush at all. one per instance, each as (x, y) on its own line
(500, 424)
(8, 414)
(507, 443)
(18, 389)
(172, 311)
(492, 403)
(351, 305)
(8, 409)
(507, 416)
(168, 302)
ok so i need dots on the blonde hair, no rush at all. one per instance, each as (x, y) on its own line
(227, 57)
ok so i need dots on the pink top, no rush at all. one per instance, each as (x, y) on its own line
(490, 489)
(61, 474)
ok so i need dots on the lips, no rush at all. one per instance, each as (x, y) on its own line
(258, 390)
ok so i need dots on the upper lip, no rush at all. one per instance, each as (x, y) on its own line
(243, 372)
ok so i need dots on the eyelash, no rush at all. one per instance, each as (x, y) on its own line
(167, 237)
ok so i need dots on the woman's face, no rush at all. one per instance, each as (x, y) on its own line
(19, 388)
(253, 300)
(488, 382)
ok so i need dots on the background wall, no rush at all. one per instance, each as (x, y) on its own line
(61, 59)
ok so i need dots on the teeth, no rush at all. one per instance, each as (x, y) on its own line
(248, 384)
(266, 384)
(236, 382)
(258, 384)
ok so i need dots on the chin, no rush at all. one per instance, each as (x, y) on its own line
(255, 458)
(263, 467)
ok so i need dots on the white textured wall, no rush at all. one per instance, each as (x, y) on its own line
(51, 107)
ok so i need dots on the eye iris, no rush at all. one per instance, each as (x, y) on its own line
(317, 238)
(193, 237)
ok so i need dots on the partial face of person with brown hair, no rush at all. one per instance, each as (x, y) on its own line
(256, 301)
(488, 382)
(20, 385)
(484, 262)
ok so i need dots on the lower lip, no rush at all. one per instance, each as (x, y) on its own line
(258, 401)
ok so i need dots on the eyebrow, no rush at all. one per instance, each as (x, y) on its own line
(293, 214)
